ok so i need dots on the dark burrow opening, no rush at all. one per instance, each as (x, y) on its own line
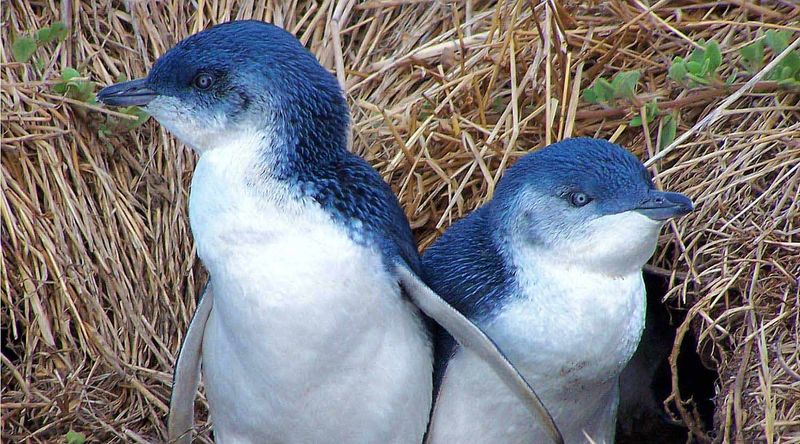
(647, 380)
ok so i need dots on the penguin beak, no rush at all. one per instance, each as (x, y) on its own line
(135, 92)
(663, 205)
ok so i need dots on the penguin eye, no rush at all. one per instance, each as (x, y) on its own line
(578, 199)
(203, 81)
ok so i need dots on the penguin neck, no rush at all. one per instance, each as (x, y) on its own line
(309, 139)
(241, 196)
(255, 160)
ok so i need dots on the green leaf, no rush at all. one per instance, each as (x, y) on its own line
(677, 71)
(777, 40)
(774, 74)
(73, 437)
(23, 48)
(497, 104)
(697, 80)
(651, 111)
(44, 35)
(706, 68)
(617, 80)
(73, 86)
(84, 91)
(694, 68)
(669, 127)
(604, 90)
(791, 65)
(103, 130)
(84, 87)
(141, 116)
(753, 55)
(713, 56)
(59, 31)
(698, 55)
(624, 84)
(68, 74)
(589, 95)
(789, 83)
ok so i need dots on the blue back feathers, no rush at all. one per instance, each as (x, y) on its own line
(355, 195)
(467, 268)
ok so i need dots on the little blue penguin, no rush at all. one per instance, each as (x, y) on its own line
(551, 270)
(309, 330)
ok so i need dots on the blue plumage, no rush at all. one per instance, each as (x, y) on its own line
(355, 194)
(465, 267)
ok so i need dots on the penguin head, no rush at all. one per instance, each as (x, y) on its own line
(239, 77)
(586, 202)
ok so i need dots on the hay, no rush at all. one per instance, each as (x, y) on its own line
(99, 275)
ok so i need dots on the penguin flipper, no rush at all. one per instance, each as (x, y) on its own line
(473, 338)
(187, 374)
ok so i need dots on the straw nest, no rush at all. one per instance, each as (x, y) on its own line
(99, 275)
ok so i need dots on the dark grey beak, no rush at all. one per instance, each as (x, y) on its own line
(663, 205)
(130, 93)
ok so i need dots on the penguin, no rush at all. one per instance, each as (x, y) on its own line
(551, 269)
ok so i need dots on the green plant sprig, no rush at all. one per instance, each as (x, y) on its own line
(24, 47)
(787, 72)
(71, 84)
(73, 437)
(623, 87)
(700, 67)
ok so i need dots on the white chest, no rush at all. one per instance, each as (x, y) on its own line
(570, 334)
(581, 326)
(309, 339)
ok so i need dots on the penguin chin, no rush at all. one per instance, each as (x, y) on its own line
(617, 244)
(201, 131)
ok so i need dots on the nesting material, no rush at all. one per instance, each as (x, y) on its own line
(99, 277)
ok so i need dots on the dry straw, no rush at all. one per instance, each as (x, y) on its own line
(99, 275)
